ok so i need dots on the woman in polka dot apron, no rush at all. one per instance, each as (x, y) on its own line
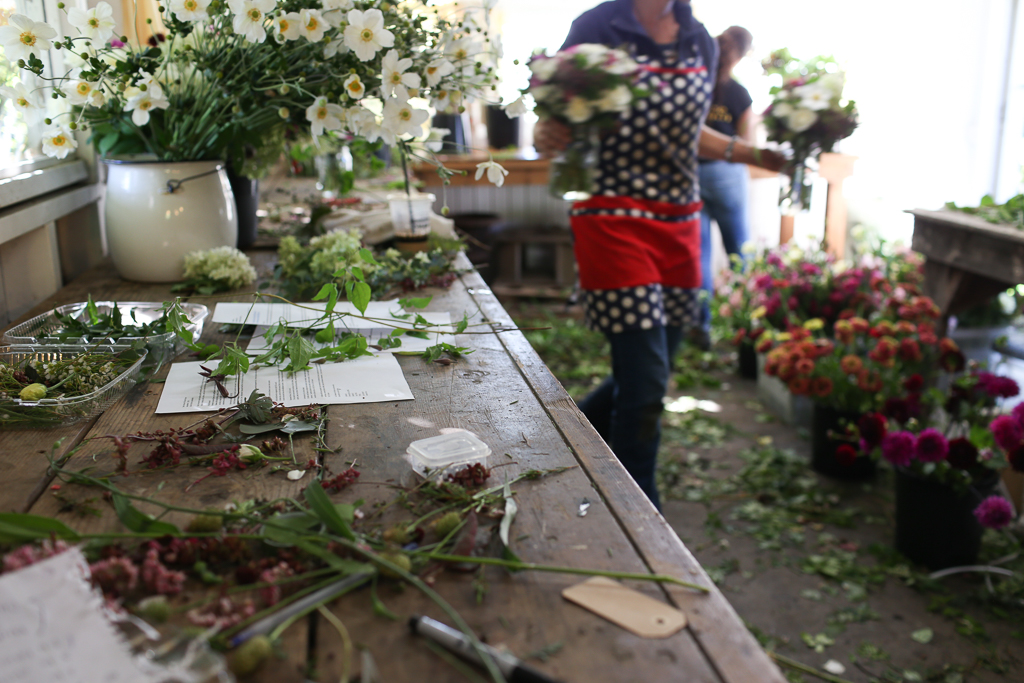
(637, 239)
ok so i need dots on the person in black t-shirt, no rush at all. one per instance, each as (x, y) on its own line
(723, 184)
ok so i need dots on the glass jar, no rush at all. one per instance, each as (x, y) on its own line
(571, 175)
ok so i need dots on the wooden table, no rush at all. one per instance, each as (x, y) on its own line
(967, 259)
(503, 393)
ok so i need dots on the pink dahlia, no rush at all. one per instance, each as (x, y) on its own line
(1018, 414)
(995, 512)
(931, 446)
(898, 448)
(1007, 432)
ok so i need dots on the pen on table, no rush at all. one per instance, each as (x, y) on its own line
(514, 670)
(267, 624)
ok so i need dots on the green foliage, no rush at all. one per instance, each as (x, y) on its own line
(577, 356)
(1011, 213)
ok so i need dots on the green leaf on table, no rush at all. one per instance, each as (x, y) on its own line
(234, 362)
(329, 292)
(92, 311)
(300, 352)
(463, 324)
(138, 521)
(392, 341)
(16, 527)
(326, 335)
(367, 256)
(379, 608)
(923, 636)
(321, 506)
(415, 301)
(252, 430)
(360, 296)
(297, 426)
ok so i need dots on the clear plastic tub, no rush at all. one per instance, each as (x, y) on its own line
(410, 214)
(49, 412)
(162, 347)
(448, 451)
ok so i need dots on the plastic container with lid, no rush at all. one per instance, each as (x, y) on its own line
(448, 451)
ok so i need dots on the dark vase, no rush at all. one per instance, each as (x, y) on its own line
(247, 201)
(828, 420)
(748, 361)
(502, 132)
(935, 523)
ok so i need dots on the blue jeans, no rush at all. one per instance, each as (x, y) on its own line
(723, 187)
(626, 407)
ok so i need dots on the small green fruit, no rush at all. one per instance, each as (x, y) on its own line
(400, 560)
(154, 609)
(447, 524)
(250, 655)
(398, 534)
(33, 392)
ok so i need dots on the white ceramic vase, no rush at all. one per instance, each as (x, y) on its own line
(152, 225)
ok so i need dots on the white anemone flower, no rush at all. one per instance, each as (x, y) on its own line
(782, 110)
(364, 123)
(153, 88)
(438, 69)
(58, 142)
(313, 25)
(514, 110)
(23, 37)
(25, 101)
(401, 118)
(322, 115)
(141, 105)
(334, 11)
(814, 96)
(446, 100)
(250, 18)
(84, 92)
(96, 24)
(190, 10)
(336, 47)
(288, 26)
(366, 35)
(395, 82)
(435, 140)
(833, 82)
(463, 52)
(354, 87)
(801, 119)
(495, 172)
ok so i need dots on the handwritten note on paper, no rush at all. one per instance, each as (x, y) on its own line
(52, 629)
(370, 379)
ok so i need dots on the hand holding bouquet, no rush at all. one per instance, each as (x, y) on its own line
(586, 87)
(808, 113)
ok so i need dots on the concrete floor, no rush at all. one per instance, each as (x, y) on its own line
(766, 587)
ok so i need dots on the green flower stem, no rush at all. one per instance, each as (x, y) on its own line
(519, 566)
(253, 587)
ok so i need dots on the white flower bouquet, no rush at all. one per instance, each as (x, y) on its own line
(230, 72)
(587, 87)
(807, 114)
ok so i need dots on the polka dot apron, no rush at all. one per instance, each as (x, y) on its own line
(637, 240)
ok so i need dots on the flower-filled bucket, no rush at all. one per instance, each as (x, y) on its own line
(833, 453)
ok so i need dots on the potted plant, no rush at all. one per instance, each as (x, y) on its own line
(947, 448)
(852, 375)
(223, 80)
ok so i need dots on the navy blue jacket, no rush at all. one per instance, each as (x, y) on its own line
(614, 24)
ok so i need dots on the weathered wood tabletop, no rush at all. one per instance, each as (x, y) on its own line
(968, 259)
(503, 393)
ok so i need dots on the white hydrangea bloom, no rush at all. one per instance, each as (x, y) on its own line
(223, 264)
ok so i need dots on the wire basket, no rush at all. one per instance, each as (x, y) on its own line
(50, 412)
(162, 347)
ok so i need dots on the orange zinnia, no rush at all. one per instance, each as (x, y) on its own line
(851, 364)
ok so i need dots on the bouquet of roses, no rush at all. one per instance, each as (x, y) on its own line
(807, 113)
(228, 74)
(586, 87)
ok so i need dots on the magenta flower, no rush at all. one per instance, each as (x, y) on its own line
(1018, 414)
(1007, 432)
(995, 512)
(898, 448)
(931, 446)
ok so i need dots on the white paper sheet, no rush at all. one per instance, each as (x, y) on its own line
(52, 629)
(441, 320)
(370, 379)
